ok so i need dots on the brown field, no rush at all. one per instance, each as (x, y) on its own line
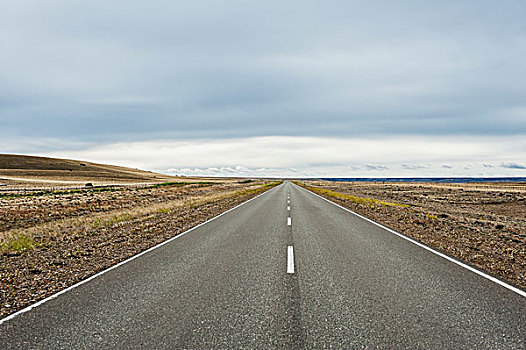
(55, 231)
(483, 224)
(18, 171)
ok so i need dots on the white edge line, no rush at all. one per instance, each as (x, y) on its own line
(51, 297)
(447, 257)
(290, 259)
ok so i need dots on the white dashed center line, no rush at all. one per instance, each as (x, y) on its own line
(288, 207)
(289, 221)
(290, 260)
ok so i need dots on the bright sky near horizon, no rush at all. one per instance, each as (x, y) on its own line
(269, 88)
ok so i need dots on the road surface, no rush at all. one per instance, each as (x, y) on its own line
(285, 270)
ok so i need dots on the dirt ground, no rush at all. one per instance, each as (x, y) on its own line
(481, 224)
(27, 209)
(49, 241)
(21, 171)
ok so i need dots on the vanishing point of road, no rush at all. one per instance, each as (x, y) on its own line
(287, 269)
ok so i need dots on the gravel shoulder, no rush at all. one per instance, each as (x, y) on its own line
(480, 224)
(51, 241)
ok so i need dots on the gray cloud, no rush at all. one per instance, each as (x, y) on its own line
(144, 71)
(376, 167)
(512, 166)
(306, 88)
(415, 166)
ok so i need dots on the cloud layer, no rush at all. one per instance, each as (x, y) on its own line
(86, 74)
(318, 156)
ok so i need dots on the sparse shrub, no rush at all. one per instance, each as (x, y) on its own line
(245, 181)
(97, 223)
(17, 243)
(358, 200)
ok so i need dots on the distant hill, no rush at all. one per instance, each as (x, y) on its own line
(19, 169)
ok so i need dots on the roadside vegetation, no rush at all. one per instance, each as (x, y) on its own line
(359, 200)
(17, 243)
(91, 231)
(19, 240)
(200, 183)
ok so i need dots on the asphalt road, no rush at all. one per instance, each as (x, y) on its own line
(229, 284)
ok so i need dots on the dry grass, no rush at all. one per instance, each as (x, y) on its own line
(48, 256)
(17, 243)
(354, 199)
(17, 240)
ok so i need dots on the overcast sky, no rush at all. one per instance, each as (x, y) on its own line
(283, 88)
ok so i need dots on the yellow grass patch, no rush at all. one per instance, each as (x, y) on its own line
(359, 200)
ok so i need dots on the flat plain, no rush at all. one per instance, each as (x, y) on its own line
(483, 224)
(55, 231)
